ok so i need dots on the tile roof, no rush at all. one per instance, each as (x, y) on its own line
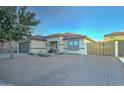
(115, 34)
(54, 35)
(37, 37)
(65, 35)
(72, 35)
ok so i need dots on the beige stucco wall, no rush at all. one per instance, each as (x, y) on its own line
(106, 38)
(82, 48)
(38, 46)
(86, 40)
(120, 37)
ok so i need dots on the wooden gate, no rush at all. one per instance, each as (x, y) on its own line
(101, 48)
(121, 48)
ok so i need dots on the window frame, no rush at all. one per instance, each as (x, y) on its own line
(73, 47)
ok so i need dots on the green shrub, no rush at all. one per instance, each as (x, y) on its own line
(30, 53)
(43, 54)
(72, 54)
(59, 53)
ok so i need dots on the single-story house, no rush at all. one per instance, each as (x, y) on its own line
(114, 36)
(62, 43)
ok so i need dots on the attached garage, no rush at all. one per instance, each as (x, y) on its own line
(35, 45)
(38, 46)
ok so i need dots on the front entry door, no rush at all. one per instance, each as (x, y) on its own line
(53, 45)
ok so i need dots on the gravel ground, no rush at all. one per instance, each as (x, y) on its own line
(62, 70)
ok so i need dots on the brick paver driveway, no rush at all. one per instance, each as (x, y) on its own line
(62, 70)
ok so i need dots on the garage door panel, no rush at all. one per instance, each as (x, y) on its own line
(24, 47)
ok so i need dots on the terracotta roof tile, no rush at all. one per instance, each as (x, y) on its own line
(66, 36)
(115, 34)
(54, 35)
(37, 37)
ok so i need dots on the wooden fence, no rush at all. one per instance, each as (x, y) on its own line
(101, 48)
(121, 48)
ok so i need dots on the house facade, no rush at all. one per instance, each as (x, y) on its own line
(60, 43)
(114, 36)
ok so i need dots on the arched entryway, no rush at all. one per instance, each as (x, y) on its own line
(53, 47)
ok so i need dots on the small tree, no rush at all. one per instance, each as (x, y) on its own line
(16, 23)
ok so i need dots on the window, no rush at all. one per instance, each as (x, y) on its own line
(73, 44)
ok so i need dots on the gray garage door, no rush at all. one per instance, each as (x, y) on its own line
(24, 47)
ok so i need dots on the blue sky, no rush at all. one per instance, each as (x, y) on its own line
(94, 22)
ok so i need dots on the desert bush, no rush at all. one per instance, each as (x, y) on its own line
(43, 54)
(30, 53)
(59, 53)
(72, 54)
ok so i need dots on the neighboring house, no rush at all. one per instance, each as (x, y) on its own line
(114, 36)
(4, 47)
(62, 43)
(1, 46)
